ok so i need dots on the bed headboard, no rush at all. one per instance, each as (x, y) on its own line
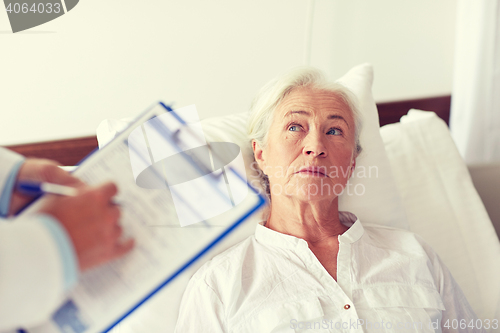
(71, 151)
(391, 112)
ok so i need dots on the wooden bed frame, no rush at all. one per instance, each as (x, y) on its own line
(71, 151)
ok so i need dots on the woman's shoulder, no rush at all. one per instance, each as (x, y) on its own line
(385, 231)
(396, 238)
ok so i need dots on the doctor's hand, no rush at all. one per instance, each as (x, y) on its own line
(92, 221)
(39, 170)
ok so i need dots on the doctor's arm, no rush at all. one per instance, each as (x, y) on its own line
(41, 256)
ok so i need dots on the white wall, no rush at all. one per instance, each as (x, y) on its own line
(111, 59)
(409, 42)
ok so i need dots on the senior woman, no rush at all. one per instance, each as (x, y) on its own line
(310, 267)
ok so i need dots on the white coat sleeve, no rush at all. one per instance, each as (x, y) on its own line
(31, 272)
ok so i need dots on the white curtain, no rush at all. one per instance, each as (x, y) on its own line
(475, 111)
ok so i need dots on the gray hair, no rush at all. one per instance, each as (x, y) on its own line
(273, 93)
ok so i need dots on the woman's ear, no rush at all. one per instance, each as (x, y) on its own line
(352, 167)
(258, 154)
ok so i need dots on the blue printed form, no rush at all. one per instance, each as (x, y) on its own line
(179, 196)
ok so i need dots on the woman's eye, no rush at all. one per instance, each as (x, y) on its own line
(294, 128)
(335, 131)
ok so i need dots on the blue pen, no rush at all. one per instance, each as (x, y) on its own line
(36, 188)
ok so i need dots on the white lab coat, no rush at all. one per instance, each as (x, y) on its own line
(31, 271)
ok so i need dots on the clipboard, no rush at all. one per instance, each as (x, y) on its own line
(180, 197)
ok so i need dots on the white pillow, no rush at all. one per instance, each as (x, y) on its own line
(443, 205)
(380, 203)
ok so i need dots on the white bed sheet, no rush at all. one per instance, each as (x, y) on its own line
(443, 206)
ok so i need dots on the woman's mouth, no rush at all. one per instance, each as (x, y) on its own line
(313, 171)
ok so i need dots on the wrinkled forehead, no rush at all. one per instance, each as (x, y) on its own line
(314, 102)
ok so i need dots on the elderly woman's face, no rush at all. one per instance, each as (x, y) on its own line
(310, 148)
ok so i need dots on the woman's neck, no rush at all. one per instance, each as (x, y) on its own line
(316, 222)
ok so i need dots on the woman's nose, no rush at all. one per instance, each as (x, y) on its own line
(314, 145)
